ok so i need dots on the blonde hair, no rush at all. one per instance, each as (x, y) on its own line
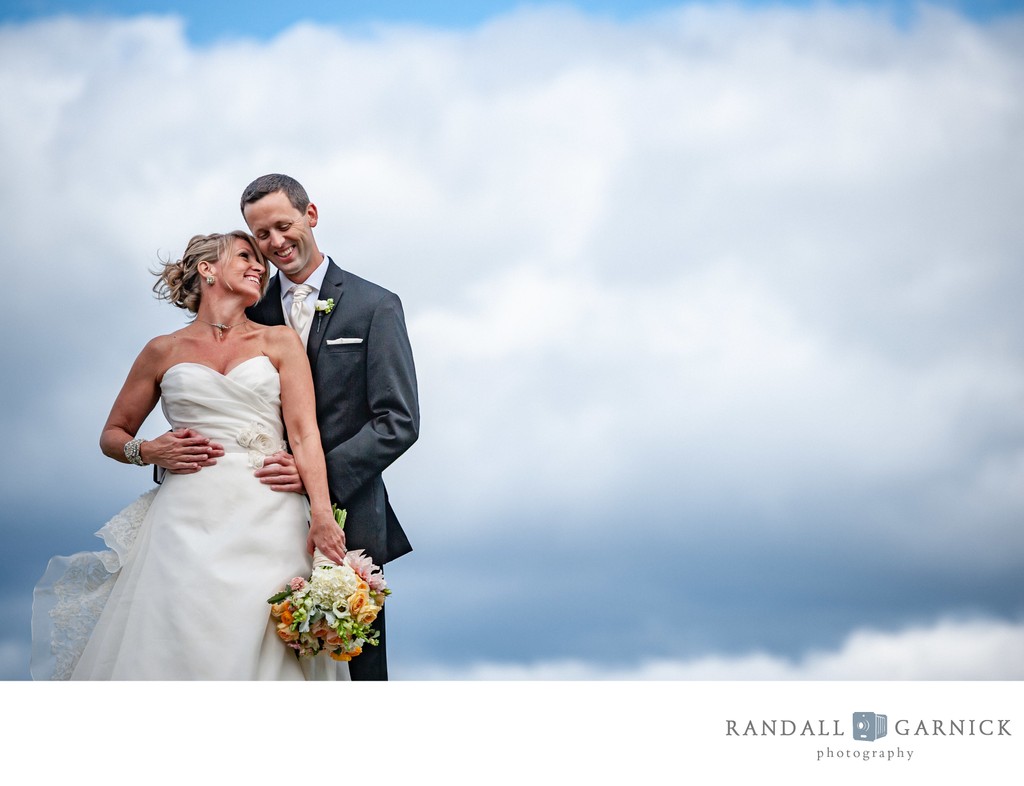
(179, 282)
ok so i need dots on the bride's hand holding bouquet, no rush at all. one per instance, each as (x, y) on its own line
(326, 534)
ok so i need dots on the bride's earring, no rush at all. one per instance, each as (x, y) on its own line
(210, 280)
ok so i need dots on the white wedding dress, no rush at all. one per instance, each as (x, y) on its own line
(182, 592)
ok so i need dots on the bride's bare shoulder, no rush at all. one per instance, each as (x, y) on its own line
(171, 341)
(281, 342)
(158, 352)
(281, 336)
(160, 346)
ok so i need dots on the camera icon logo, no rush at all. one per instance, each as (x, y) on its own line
(869, 726)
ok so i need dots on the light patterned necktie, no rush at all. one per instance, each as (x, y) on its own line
(299, 312)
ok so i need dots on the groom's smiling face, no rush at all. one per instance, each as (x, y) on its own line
(285, 234)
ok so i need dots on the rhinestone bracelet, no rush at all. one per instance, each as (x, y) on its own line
(133, 453)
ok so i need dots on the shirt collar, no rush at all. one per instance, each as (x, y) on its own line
(315, 280)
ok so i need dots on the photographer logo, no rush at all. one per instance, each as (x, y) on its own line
(869, 726)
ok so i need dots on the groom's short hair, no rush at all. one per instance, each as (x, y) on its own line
(269, 184)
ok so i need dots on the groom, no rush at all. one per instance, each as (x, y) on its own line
(363, 374)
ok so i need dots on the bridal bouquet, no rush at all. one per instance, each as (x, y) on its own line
(334, 609)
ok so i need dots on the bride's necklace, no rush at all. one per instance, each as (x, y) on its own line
(221, 327)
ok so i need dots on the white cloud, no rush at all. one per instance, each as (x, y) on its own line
(947, 650)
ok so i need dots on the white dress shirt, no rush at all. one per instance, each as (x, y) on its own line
(315, 280)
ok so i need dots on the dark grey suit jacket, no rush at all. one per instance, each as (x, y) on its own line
(366, 400)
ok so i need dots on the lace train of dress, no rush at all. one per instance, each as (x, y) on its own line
(181, 591)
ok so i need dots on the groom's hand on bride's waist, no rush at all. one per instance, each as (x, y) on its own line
(280, 473)
(182, 451)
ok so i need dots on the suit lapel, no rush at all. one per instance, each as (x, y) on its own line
(331, 288)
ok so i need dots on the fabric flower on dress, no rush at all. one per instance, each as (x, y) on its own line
(260, 442)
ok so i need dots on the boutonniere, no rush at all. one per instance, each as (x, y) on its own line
(323, 307)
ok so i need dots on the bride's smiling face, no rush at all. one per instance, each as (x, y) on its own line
(242, 269)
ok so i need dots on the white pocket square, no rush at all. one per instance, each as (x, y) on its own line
(335, 341)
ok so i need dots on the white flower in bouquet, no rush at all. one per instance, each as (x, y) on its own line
(332, 585)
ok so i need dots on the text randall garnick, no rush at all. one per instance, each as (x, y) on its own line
(969, 727)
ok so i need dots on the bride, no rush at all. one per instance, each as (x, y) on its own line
(181, 593)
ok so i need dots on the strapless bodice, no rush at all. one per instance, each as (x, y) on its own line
(232, 409)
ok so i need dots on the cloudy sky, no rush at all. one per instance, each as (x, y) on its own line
(714, 307)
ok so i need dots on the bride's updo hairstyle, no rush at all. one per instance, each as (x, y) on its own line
(180, 283)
